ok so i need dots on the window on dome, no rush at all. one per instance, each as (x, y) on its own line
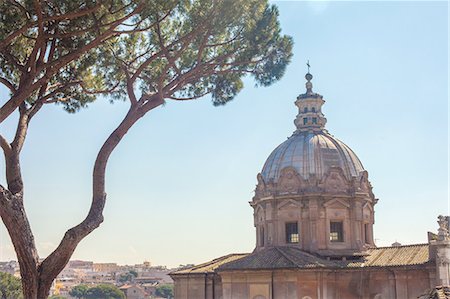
(336, 231)
(314, 120)
(305, 121)
(291, 232)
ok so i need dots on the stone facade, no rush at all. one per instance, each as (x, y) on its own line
(355, 284)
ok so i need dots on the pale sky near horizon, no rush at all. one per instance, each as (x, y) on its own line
(179, 183)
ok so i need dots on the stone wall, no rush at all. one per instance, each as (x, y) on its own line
(364, 283)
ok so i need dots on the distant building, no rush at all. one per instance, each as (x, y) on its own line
(134, 292)
(76, 264)
(11, 267)
(314, 214)
(105, 267)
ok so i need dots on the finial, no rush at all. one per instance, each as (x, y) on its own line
(308, 77)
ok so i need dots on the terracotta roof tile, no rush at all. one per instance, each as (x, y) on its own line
(291, 257)
(397, 256)
(294, 258)
(210, 266)
(440, 292)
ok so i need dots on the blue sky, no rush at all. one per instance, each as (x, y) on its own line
(180, 182)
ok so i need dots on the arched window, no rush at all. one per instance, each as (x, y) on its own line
(305, 121)
(313, 109)
(305, 110)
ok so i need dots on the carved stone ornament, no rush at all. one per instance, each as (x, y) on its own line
(261, 186)
(442, 259)
(364, 184)
(334, 181)
(290, 181)
(443, 233)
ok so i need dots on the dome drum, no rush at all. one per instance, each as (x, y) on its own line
(333, 182)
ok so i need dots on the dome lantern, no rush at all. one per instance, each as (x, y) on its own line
(310, 116)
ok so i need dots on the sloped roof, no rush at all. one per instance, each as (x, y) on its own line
(291, 257)
(278, 258)
(210, 266)
(406, 255)
(440, 292)
(294, 258)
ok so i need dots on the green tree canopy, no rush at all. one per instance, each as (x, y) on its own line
(104, 291)
(10, 287)
(128, 276)
(165, 291)
(47, 48)
(79, 291)
(198, 48)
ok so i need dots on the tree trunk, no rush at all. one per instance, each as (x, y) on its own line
(37, 277)
(15, 220)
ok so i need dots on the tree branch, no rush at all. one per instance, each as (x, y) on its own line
(75, 14)
(57, 260)
(8, 84)
(21, 131)
(4, 144)
(21, 7)
(188, 98)
(54, 66)
(4, 43)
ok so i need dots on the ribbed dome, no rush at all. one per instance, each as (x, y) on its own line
(311, 153)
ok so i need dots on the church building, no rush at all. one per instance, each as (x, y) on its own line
(313, 212)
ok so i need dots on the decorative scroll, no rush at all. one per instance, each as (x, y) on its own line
(334, 181)
(290, 181)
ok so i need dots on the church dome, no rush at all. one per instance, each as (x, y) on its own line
(311, 153)
(313, 190)
(311, 150)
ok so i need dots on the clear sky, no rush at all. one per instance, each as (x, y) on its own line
(180, 182)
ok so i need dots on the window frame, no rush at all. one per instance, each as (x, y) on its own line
(292, 236)
(339, 237)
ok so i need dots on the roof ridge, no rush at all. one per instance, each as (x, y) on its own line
(195, 267)
(285, 255)
(407, 245)
(209, 263)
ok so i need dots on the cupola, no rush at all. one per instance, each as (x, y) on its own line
(313, 191)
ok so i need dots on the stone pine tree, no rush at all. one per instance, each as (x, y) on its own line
(177, 50)
(46, 46)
